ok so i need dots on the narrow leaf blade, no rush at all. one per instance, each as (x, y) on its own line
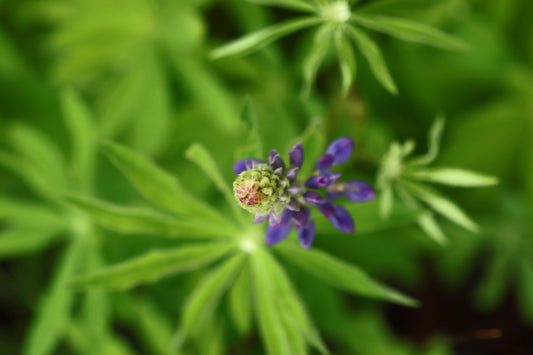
(342, 275)
(454, 177)
(152, 266)
(259, 39)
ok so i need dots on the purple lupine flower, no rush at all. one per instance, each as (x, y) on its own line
(274, 193)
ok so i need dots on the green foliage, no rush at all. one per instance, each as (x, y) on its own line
(118, 132)
(407, 177)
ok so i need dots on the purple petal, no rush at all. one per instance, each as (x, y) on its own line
(332, 177)
(327, 209)
(296, 155)
(301, 217)
(313, 198)
(316, 182)
(342, 220)
(293, 205)
(292, 173)
(307, 234)
(359, 191)
(276, 235)
(246, 164)
(279, 219)
(341, 149)
(260, 218)
(334, 195)
(275, 161)
(325, 162)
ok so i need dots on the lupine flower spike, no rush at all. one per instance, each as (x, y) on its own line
(273, 192)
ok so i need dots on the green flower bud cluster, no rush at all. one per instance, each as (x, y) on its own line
(260, 190)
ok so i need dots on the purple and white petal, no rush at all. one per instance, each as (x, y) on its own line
(306, 235)
(301, 217)
(325, 162)
(359, 191)
(276, 235)
(296, 155)
(332, 177)
(277, 219)
(317, 182)
(327, 209)
(313, 198)
(293, 205)
(341, 149)
(246, 164)
(275, 161)
(292, 173)
(342, 220)
(293, 190)
(260, 218)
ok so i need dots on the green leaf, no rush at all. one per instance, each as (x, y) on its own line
(202, 302)
(347, 62)
(17, 242)
(441, 205)
(316, 56)
(136, 220)
(159, 187)
(199, 155)
(292, 309)
(156, 330)
(31, 215)
(454, 177)
(52, 319)
(273, 335)
(408, 30)
(435, 134)
(386, 201)
(39, 151)
(248, 116)
(428, 224)
(342, 275)
(289, 4)
(240, 301)
(40, 183)
(82, 132)
(259, 39)
(152, 266)
(373, 55)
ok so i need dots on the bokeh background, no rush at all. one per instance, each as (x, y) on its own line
(141, 71)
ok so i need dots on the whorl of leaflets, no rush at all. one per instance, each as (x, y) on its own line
(274, 192)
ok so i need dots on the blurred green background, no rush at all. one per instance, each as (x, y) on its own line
(138, 71)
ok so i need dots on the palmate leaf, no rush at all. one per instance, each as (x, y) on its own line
(136, 220)
(316, 56)
(283, 320)
(53, 316)
(273, 334)
(240, 301)
(342, 275)
(159, 187)
(374, 57)
(453, 177)
(289, 4)
(202, 302)
(152, 266)
(201, 157)
(259, 39)
(441, 205)
(411, 31)
(292, 309)
(15, 242)
(347, 62)
(79, 122)
(435, 135)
